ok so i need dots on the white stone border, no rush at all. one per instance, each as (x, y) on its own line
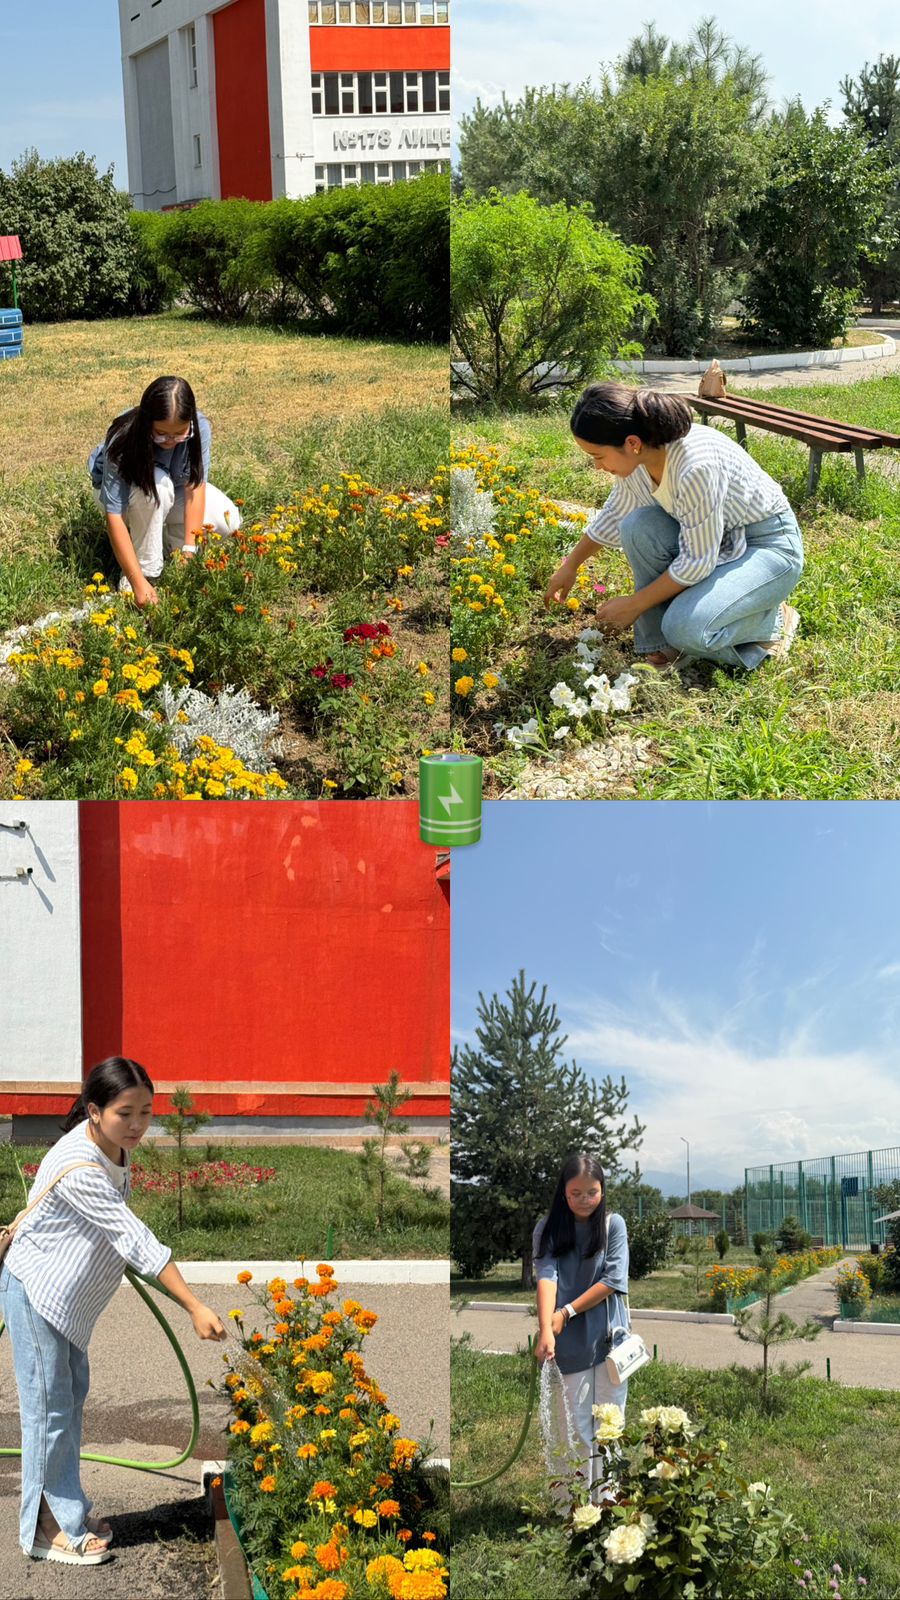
(725, 1318)
(770, 363)
(850, 1325)
(370, 1272)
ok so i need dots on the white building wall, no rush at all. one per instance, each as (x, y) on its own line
(142, 25)
(40, 942)
(290, 100)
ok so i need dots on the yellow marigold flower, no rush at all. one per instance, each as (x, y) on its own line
(76, 733)
(508, 569)
(101, 687)
(428, 697)
(423, 669)
(366, 1519)
(383, 1567)
(237, 1316)
(573, 604)
(262, 1432)
(459, 654)
(490, 680)
(464, 686)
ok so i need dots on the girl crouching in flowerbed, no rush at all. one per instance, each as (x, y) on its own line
(332, 1503)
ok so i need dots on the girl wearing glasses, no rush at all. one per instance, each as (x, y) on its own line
(150, 475)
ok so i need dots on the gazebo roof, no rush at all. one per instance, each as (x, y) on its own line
(693, 1214)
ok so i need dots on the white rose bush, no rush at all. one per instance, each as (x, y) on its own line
(672, 1520)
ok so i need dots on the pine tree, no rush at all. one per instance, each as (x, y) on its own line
(180, 1123)
(768, 1330)
(872, 104)
(518, 1111)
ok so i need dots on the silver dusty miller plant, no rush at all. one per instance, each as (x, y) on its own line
(472, 510)
(231, 719)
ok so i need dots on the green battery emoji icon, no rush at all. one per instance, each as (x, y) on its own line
(450, 799)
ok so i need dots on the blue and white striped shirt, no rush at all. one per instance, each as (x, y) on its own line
(717, 490)
(72, 1249)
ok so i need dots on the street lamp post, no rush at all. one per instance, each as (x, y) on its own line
(686, 1143)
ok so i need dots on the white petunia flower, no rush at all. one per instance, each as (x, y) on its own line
(579, 708)
(562, 695)
(561, 732)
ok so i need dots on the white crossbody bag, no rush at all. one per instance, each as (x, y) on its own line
(8, 1230)
(627, 1352)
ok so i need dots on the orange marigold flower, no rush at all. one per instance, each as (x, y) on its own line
(351, 1307)
(307, 1451)
(323, 1490)
(319, 1289)
(365, 1320)
(267, 1484)
(404, 1535)
(324, 1270)
(331, 1556)
(388, 1508)
(299, 1550)
(331, 1589)
(429, 1538)
(258, 1463)
(240, 1426)
(245, 1277)
(384, 1480)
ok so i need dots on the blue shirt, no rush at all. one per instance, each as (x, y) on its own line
(115, 493)
(585, 1340)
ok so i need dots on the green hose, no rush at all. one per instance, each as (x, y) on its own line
(478, 1483)
(149, 1466)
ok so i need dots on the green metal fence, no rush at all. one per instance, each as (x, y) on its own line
(833, 1196)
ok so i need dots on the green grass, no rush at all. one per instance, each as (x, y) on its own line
(829, 1453)
(823, 724)
(670, 1289)
(289, 1217)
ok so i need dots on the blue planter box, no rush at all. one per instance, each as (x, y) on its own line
(10, 336)
(7, 351)
(10, 318)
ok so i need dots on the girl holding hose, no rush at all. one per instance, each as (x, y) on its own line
(581, 1266)
(61, 1270)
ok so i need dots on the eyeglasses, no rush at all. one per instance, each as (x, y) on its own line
(172, 438)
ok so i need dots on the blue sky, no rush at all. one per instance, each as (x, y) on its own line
(62, 81)
(739, 963)
(807, 45)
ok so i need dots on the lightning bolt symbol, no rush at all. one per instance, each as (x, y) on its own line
(451, 799)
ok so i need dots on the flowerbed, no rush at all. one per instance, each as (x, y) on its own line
(729, 1284)
(507, 541)
(305, 614)
(334, 1503)
(209, 1176)
(674, 1518)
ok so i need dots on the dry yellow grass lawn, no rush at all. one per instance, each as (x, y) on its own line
(256, 385)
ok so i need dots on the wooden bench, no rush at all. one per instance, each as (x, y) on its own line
(819, 433)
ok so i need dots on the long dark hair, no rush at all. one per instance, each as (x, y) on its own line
(609, 413)
(129, 443)
(104, 1083)
(558, 1233)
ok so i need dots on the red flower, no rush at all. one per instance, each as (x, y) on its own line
(321, 671)
(383, 627)
(342, 680)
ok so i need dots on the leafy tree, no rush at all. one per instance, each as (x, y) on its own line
(181, 1123)
(872, 105)
(823, 208)
(539, 295)
(758, 1325)
(671, 163)
(518, 1111)
(79, 252)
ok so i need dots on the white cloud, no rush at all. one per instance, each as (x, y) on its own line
(892, 970)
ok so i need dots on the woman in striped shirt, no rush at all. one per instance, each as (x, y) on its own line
(61, 1270)
(711, 539)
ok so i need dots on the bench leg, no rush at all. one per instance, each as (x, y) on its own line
(741, 430)
(860, 465)
(815, 471)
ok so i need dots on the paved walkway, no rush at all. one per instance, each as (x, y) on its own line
(795, 378)
(137, 1408)
(859, 1360)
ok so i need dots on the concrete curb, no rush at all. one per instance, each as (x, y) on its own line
(850, 1325)
(724, 1318)
(373, 1272)
(770, 363)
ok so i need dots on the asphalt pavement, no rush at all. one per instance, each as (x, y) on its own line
(138, 1408)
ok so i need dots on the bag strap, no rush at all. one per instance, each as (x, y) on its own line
(20, 1217)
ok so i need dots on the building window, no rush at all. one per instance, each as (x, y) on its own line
(383, 172)
(348, 94)
(394, 12)
(192, 55)
(379, 13)
(345, 11)
(198, 162)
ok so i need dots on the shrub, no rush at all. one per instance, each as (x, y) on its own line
(154, 287)
(678, 1520)
(852, 1286)
(208, 250)
(791, 1237)
(80, 257)
(649, 1245)
(540, 296)
(723, 1243)
(762, 1241)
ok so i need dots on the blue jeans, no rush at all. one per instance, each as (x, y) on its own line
(724, 617)
(52, 1377)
